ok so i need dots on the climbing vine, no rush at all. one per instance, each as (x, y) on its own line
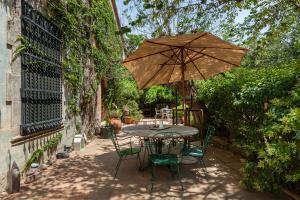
(92, 50)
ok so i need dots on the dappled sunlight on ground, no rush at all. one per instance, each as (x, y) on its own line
(88, 174)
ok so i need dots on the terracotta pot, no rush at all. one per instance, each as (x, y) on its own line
(116, 123)
(133, 121)
(182, 120)
(128, 120)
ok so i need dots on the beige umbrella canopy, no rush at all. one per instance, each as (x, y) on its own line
(183, 57)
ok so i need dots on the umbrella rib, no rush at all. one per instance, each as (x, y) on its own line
(193, 59)
(196, 66)
(148, 55)
(244, 49)
(174, 53)
(157, 72)
(178, 59)
(162, 44)
(171, 74)
(215, 58)
(175, 60)
(195, 39)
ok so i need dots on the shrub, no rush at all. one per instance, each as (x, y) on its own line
(157, 94)
(261, 109)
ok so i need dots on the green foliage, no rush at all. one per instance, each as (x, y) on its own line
(122, 91)
(170, 17)
(36, 156)
(114, 114)
(239, 96)
(134, 109)
(261, 109)
(21, 48)
(278, 156)
(157, 94)
(270, 30)
(132, 42)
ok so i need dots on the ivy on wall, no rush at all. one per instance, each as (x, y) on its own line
(92, 49)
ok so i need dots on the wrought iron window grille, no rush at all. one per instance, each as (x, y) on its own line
(41, 72)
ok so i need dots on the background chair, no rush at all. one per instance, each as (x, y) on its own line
(157, 113)
(167, 114)
(121, 145)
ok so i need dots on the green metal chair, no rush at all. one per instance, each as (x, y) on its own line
(123, 153)
(199, 152)
(163, 159)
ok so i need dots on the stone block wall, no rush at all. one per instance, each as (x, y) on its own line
(10, 96)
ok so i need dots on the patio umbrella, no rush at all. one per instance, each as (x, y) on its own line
(180, 58)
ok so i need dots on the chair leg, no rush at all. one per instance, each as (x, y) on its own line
(144, 157)
(179, 176)
(152, 176)
(118, 166)
(203, 164)
(139, 158)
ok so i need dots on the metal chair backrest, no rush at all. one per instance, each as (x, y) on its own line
(114, 140)
(150, 146)
(209, 134)
(169, 138)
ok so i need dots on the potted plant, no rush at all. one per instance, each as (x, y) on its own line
(128, 119)
(105, 129)
(137, 116)
(115, 121)
(125, 110)
(134, 111)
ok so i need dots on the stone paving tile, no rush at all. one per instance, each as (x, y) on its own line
(88, 174)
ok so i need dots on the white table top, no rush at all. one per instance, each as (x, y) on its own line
(173, 131)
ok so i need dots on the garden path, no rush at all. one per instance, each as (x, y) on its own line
(88, 174)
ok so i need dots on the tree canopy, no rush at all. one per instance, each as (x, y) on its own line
(270, 29)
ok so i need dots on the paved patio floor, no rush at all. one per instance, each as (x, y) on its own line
(88, 174)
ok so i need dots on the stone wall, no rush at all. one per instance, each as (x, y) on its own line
(10, 97)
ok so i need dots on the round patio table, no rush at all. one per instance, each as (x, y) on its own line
(168, 131)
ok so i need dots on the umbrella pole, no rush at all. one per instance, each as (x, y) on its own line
(176, 106)
(183, 87)
(183, 100)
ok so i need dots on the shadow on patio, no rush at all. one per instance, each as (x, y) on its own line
(89, 175)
